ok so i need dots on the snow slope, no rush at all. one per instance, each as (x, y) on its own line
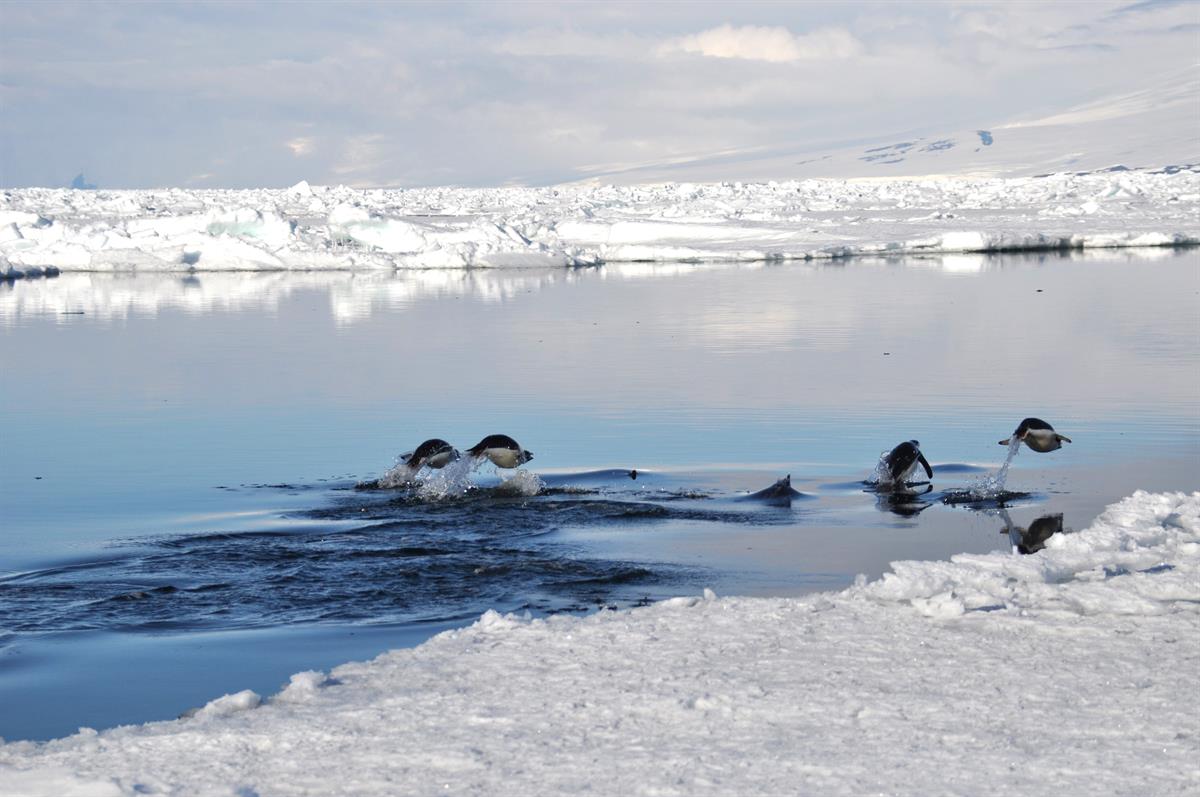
(1068, 671)
(308, 228)
(1155, 128)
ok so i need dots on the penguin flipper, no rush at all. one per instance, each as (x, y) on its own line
(926, 465)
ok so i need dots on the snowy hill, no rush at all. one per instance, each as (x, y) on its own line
(1155, 128)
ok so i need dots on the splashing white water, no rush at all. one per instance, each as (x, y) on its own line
(397, 476)
(993, 485)
(523, 482)
(882, 475)
(452, 481)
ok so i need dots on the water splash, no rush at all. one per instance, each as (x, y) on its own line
(523, 482)
(398, 475)
(882, 475)
(452, 481)
(993, 485)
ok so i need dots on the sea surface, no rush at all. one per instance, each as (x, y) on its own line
(187, 506)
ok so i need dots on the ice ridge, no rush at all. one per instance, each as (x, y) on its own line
(315, 228)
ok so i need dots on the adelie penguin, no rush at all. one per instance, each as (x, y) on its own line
(502, 450)
(433, 453)
(1038, 435)
(902, 460)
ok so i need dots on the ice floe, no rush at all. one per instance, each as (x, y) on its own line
(313, 228)
(1067, 671)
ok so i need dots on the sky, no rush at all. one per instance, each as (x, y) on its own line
(237, 95)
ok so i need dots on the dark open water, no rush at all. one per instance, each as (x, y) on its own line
(180, 456)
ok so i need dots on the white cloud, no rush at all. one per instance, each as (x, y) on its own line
(301, 146)
(490, 93)
(546, 42)
(774, 44)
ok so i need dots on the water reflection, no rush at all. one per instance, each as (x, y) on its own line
(903, 501)
(353, 296)
(356, 296)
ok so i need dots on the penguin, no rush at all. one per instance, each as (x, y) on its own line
(780, 493)
(902, 460)
(1038, 435)
(502, 450)
(433, 453)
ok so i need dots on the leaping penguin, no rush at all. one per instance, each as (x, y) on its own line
(902, 460)
(502, 450)
(433, 453)
(1038, 435)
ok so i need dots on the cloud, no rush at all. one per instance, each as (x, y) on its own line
(361, 155)
(486, 94)
(773, 44)
(300, 146)
(1147, 5)
(549, 43)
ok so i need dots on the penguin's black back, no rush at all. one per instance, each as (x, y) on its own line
(494, 441)
(901, 458)
(1032, 423)
(428, 449)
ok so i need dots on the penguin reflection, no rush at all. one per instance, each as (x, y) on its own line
(1033, 539)
(904, 502)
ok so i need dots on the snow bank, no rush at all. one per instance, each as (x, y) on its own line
(1068, 671)
(309, 228)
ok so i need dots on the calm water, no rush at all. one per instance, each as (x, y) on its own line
(179, 456)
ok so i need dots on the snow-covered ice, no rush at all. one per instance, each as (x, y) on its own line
(312, 228)
(1068, 671)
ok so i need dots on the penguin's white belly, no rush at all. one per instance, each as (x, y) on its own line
(503, 457)
(1042, 440)
(440, 460)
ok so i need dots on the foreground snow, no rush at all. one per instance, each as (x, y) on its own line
(343, 228)
(1068, 671)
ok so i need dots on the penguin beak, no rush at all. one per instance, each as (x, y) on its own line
(1006, 442)
(528, 455)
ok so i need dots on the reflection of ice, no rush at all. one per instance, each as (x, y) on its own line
(963, 264)
(356, 296)
(114, 296)
(360, 297)
(352, 296)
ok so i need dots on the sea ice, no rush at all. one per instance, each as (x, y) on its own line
(313, 228)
